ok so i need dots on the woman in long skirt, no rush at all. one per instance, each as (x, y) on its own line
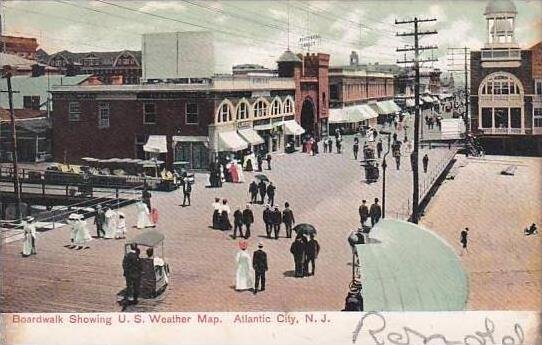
(82, 236)
(244, 279)
(143, 218)
(110, 226)
(225, 215)
(121, 226)
(216, 213)
(29, 243)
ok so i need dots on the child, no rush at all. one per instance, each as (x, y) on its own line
(121, 227)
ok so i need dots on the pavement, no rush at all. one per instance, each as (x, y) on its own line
(324, 190)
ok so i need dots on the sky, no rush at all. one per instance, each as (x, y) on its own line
(259, 31)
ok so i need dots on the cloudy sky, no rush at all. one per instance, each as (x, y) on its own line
(257, 31)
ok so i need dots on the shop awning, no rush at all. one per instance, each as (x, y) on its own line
(230, 141)
(410, 103)
(156, 144)
(368, 112)
(427, 99)
(387, 107)
(251, 136)
(266, 127)
(338, 116)
(292, 128)
(393, 106)
(190, 138)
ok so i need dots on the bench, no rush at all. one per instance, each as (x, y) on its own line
(510, 170)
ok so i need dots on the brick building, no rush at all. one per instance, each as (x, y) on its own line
(505, 87)
(191, 123)
(120, 67)
(24, 47)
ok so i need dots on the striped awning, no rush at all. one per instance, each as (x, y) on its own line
(231, 141)
(251, 136)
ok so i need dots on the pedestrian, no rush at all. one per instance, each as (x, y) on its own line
(397, 155)
(143, 216)
(263, 189)
(355, 148)
(394, 137)
(187, 190)
(288, 219)
(238, 222)
(267, 220)
(99, 220)
(375, 212)
(248, 219)
(338, 145)
(121, 226)
(271, 194)
(110, 224)
(132, 267)
(315, 147)
(379, 148)
(268, 159)
(259, 263)
(312, 251)
(259, 160)
(225, 215)
(325, 146)
(243, 274)
(330, 145)
(395, 123)
(425, 162)
(253, 191)
(216, 213)
(29, 242)
(276, 220)
(354, 300)
(146, 196)
(464, 239)
(363, 212)
(298, 251)
(82, 235)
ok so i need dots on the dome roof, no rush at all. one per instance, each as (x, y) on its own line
(288, 56)
(500, 6)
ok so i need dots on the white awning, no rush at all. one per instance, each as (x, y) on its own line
(337, 116)
(251, 136)
(156, 144)
(427, 99)
(393, 106)
(265, 127)
(230, 141)
(292, 128)
(368, 112)
(190, 138)
(410, 103)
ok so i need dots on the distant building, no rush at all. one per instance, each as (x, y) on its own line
(24, 47)
(118, 67)
(506, 87)
(22, 66)
(253, 70)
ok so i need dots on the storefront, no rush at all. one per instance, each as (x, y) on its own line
(191, 151)
(351, 119)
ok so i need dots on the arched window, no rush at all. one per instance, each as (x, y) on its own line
(276, 107)
(243, 108)
(501, 83)
(260, 108)
(288, 105)
(224, 112)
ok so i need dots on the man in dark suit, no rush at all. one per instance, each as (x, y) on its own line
(131, 264)
(312, 251)
(267, 220)
(268, 159)
(259, 263)
(253, 191)
(288, 219)
(237, 222)
(259, 160)
(146, 196)
(262, 188)
(375, 212)
(187, 190)
(248, 219)
(271, 193)
(99, 220)
(363, 212)
(298, 251)
(276, 219)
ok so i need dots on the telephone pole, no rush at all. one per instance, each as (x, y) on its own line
(454, 67)
(414, 157)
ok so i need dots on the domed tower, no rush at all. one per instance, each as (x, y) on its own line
(287, 63)
(501, 43)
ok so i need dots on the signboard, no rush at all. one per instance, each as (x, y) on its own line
(307, 42)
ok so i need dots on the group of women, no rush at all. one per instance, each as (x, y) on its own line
(221, 215)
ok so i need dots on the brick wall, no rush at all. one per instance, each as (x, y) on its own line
(537, 60)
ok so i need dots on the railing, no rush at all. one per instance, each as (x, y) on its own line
(501, 54)
(515, 131)
(503, 98)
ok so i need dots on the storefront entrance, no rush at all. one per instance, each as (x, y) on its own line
(308, 117)
(196, 154)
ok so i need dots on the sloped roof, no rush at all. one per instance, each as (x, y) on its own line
(21, 114)
(288, 56)
(500, 6)
(107, 58)
(20, 63)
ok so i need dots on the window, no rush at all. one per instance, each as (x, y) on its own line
(74, 111)
(225, 114)
(288, 107)
(487, 117)
(275, 107)
(191, 113)
(149, 113)
(103, 115)
(31, 102)
(242, 111)
(538, 87)
(260, 109)
(537, 117)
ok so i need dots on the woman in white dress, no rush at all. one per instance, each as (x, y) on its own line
(240, 172)
(143, 219)
(73, 230)
(244, 279)
(82, 235)
(121, 226)
(29, 243)
(110, 225)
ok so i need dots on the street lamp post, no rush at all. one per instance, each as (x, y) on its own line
(384, 166)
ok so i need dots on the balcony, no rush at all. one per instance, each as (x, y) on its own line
(503, 131)
(501, 100)
(505, 54)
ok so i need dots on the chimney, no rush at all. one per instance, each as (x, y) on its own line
(38, 70)
(116, 80)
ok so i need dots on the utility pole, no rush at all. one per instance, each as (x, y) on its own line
(7, 72)
(414, 158)
(454, 67)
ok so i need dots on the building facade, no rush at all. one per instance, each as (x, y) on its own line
(505, 87)
(196, 123)
(120, 67)
(24, 47)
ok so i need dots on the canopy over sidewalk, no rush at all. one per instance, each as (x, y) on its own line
(407, 268)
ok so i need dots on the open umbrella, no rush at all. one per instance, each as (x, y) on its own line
(261, 177)
(304, 229)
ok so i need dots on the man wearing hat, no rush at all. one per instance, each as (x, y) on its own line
(99, 220)
(354, 300)
(259, 263)
(267, 219)
(276, 220)
(248, 219)
(363, 212)
(375, 212)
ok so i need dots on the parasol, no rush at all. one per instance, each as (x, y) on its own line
(261, 177)
(304, 229)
